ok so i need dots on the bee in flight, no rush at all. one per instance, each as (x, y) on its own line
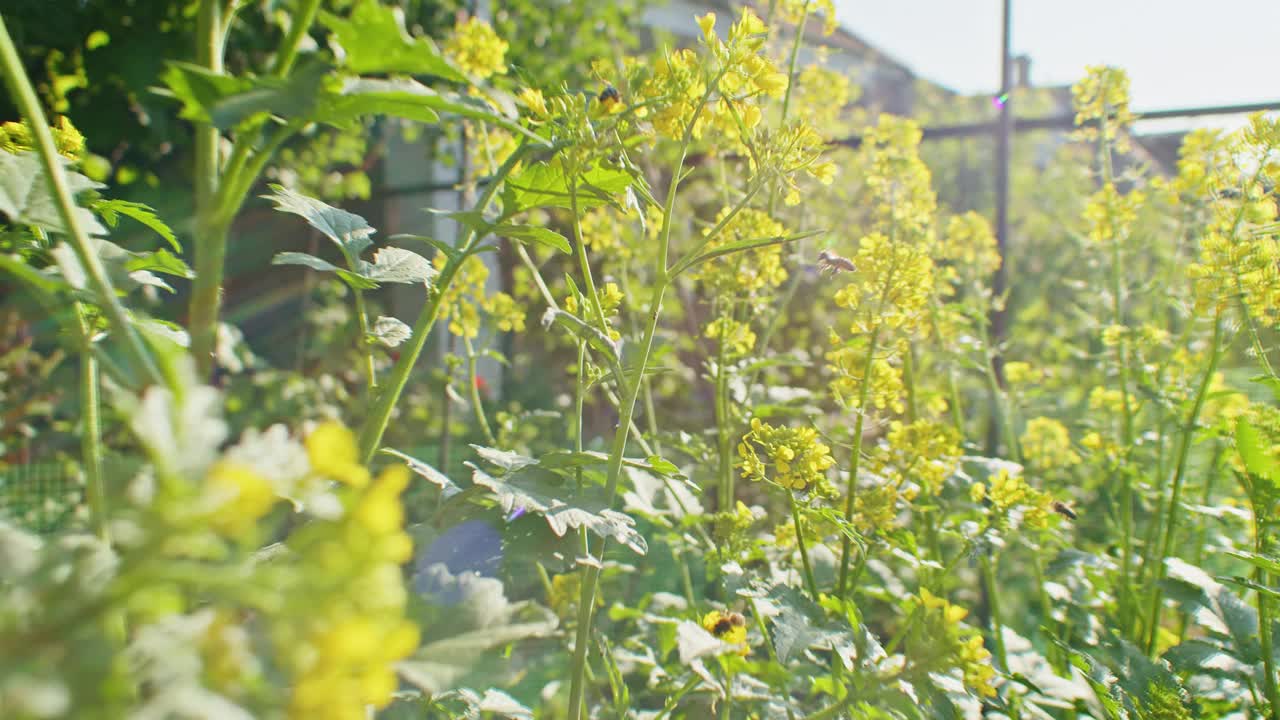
(1063, 509)
(830, 262)
(727, 622)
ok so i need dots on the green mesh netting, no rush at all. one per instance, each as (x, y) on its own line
(42, 497)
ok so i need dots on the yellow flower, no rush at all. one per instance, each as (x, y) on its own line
(476, 49)
(534, 100)
(242, 497)
(798, 457)
(333, 453)
(1046, 445)
(730, 628)
(737, 338)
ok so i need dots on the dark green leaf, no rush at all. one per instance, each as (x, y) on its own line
(226, 101)
(361, 97)
(161, 261)
(1254, 452)
(545, 185)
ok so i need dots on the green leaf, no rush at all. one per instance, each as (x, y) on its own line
(161, 261)
(373, 39)
(360, 97)
(392, 264)
(545, 185)
(349, 231)
(449, 250)
(532, 233)
(390, 331)
(1253, 450)
(226, 101)
(534, 492)
(25, 197)
(118, 263)
(426, 471)
(1266, 563)
(438, 665)
(110, 210)
(1205, 658)
(311, 261)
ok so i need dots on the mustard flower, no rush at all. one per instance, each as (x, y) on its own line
(730, 628)
(1046, 445)
(1110, 215)
(897, 182)
(749, 272)
(891, 287)
(969, 244)
(1102, 96)
(925, 451)
(796, 455)
(476, 48)
(465, 296)
(885, 389)
(940, 640)
(737, 337)
(239, 497)
(507, 314)
(791, 11)
(333, 453)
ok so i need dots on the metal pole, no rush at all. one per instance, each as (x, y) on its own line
(998, 327)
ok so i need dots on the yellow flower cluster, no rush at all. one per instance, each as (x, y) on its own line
(342, 651)
(891, 287)
(1240, 250)
(943, 640)
(463, 298)
(1008, 491)
(745, 71)
(737, 337)
(1109, 215)
(897, 181)
(603, 230)
(924, 451)
(791, 11)
(507, 314)
(476, 49)
(1046, 446)
(239, 497)
(798, 457)
(875, 509)
(610, 297)
(745, 273)
(794, 148)
(16, 137)
(1018, 374)
(1102, 96)
(821, 96)
(884, 390)
(969, 246)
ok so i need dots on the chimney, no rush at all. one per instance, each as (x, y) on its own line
(1022, 71)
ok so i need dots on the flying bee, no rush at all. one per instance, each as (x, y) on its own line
(727, 622)
(834, 264)
(1063, 509)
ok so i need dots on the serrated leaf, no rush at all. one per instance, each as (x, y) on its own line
(373, 39)
(110, 210)
(25, 197)
(1199, 656)
(118, 262)
(390, 331)
(435, 667)
(397, 265)
(349, 231)
(1266, 563)
(508, 460)
(449, 250)
(532, 233)
(1253, 450)
(527, 491)
(427, 472)
(161, 261)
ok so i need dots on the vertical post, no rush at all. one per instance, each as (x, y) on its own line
(1000, 282)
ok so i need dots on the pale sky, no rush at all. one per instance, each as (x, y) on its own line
(1179, 53)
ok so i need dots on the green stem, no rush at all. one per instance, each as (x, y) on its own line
(477, 407)
(1126, 476)
(24, 96)
(211, 230)
(993, 605)
(1265, 639)
(91, 433)
(580, 249)
(804, 551)
(301, 22)
(366, 349)
(846, 543)
(675, 699)
(376, 424)
(724, 441)
(1179, 473)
